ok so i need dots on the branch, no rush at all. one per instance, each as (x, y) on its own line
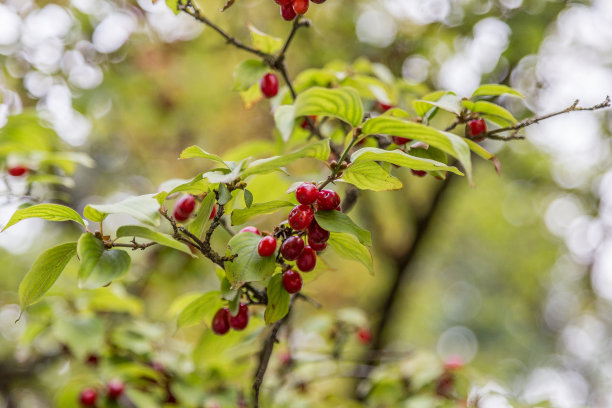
(134, 245)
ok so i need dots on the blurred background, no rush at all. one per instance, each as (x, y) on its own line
(514, 275)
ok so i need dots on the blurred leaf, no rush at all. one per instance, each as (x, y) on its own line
(160, 238)
(264, 42)
(348, 247)
(251, 96)
(113, 300)
(450, 103)
(43, 178)
(421, 107)
(482, 152)
(196, 151)
(319, 150)
(82, 335)
(99, 266)
(248, 73)
(241, 216)
(248, 266)
(66, 161)
(203, 307)
(44, 272)
(196, 227)
(284, 118)
(50, 212)
(368, 175)
(342, 103)
(228, 4)
(222, 175)
(95, 215)
(495, 90)
(336, 221)
(142, 399)
(144, 208)
(399, 158)
(491, 111)
(278, 300)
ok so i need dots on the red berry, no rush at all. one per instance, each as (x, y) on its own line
(300, 217)
(213, 213)
(220, 323)
(364, 335)
(240, 321)
(400, 140)
(92, 359)
(419, 173)
(266, 246)
(383, 107)
(306, 193)
(250, 228)
(88, 397)
(179, 215)
(287, 12)
(477, 126)
(317, 246)
(185, 205)
(17, 171)
(300, 6)
(283, 2)
(338, 208)
(115, 388)
(328, 200)
(316, 233)
(292, 281)
(307, 259)
(269, 85)
(318, 1)
(292, 248)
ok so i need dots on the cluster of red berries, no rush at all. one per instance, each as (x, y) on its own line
(476, 128)
(223, 320)
(89, 396)
(289, 9)
(17, 171)
(185, 205)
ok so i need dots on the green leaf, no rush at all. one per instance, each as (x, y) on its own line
(336, 221)
(482, 152)
(146, 233)
(399, 158)
(491, 111)
(368, 175)
(248, 73)
(495, 90)
(445, 141)
(342, 103)
(204, 307)
(196, 151)
(319, 150)
(248, 198)
(144, 208)
(421, 107)
(264, 42)
(197, 185)
(247, 266)
(278, 300)
(83, 335)
(44, 272)
(173, 4)
(449, 102)
(43, 178)
(51, 212)
(224, 195)
(95, 215)
(251, 96)
(348, 247)
(196, 227)
(284, 118)
(242, 215)
(99, 266)
(223, 175)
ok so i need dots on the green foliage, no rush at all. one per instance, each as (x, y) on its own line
(247, 266)
(144, 208)
(202, 308)
(278, 300)
(99, 266)
(50, 212)
(240, 216)
(348, 247)
(336, 221)
(368, 175)
(341, 103)
(158, 237)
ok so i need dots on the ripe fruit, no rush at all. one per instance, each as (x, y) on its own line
(307, 259)
(292, 281)
(213, 213)
(184, 207)
(287, 12)
(317, 246)
(88, 397)
(269, 85)
(250, 228)
(477, 127)
(17, 171)
(240, 321)
(306, 193)
(316, 233)
(283, 2)
(419, 173)
(220, 323)
(300, 6)
(115, 388)
(301, 217)
(266, 246)
(383, 107)
(400, 140)
(364, 335)
(318, 1)
(328, 200)
(292, 248)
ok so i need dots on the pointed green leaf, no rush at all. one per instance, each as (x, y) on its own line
(144, 208)
(284, 118)
(196, 151)
(264, 42)
(99, 266)
(495, 90)
(196, 227)
(348, 247)
(399, 158)
(491, 111)
(482, 152)
(44, 272)
(342, 103)
(319, 150)
(51, 212)
(336, 221)
(203, 308)
(146, 233)
(248, 198)
(278, 300)
(242, 215)
(247, 266)
(248, 73)
(450, 103)
(368, 175)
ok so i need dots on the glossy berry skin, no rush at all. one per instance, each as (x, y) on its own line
(318, 1)
(241, 320)
(419, 173)
(364, 335)
(115, 388)
(328, 200)
(185, 206)
(292, 248)
(283, 2)
(220, 323)
(292, 281)
(306, 193)
(287, 12)
(400, 140)
(307, 260)
(269, 85)
(477, 127)
(317, 246)
(17, 171)
(88, 397)
(300, 6)
(213, 212)
(266, 246)
(316, 233)
(250, 228)
(301, 217)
